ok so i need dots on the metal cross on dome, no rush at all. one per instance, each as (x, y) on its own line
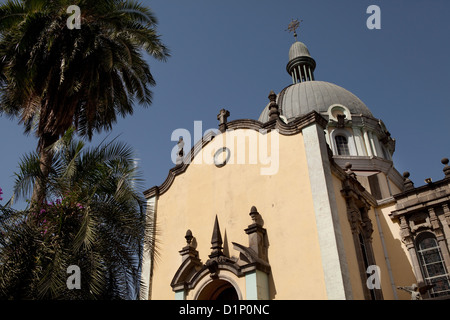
(293, 26)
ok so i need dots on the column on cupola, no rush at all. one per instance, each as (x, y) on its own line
(375, 144)
(359, 141)
(372, 144)
(367, 142)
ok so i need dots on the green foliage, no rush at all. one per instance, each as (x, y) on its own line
(94, 217)
(53, 77)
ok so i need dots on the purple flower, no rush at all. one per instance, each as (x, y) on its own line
(42, 211)
(1, 192)
(79, 206)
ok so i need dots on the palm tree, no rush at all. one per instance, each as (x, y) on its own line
(53, 77)
(96, 221)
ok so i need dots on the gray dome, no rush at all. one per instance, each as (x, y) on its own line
(298, 49)
(301, 98)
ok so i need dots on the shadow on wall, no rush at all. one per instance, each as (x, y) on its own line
(401, 266)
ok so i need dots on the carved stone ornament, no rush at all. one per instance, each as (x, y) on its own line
(219, 159)
(354, 218)
(418, 221)
(251, 258)
(223, 118)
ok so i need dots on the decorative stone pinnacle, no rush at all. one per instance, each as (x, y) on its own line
(216, 241)
(407, 183)
(274, 113)
(254, 214)
(257, 234)
(188, 237)
(446, 169)
(189, 251)
(272, 96)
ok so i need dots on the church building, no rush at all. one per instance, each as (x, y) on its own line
(302, 203)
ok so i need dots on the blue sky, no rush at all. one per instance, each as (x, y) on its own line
(230, 54)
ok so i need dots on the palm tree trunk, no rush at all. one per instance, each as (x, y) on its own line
(45, 158)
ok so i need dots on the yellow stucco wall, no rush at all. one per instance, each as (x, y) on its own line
(350, 252)
(285, 202)
(283, 199)
(399, 257)
(396, 252)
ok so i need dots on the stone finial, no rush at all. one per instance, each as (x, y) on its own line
(188, 237)
(180, 153)
(216, 241)
(272, 96)
(257, 234)
(223, 118)
(407, 183)
(274, 112)
(189, 251)
(253, 213)
(446, 169)
(256, 217)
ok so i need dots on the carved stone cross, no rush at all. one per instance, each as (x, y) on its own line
(222, 117)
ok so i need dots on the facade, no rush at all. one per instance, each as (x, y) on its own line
(303, 203)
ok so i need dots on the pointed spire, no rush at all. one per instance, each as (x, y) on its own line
(216, 241)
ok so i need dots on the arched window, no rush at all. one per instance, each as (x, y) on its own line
(432, 265)
(342, 145)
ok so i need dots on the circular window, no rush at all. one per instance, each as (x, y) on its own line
(221, 157)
